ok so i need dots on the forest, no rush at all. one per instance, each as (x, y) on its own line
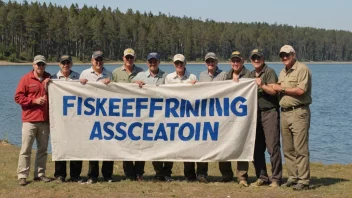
(28, 29)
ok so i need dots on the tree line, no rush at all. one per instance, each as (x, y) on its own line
(52, 30)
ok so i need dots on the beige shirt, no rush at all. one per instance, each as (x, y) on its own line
(120, 74)
(298, 76)
(173, 78)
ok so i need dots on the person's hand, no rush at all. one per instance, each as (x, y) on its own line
(140, 83)
(40, 101)
(46, 83)
(235, 80)
(259, 81)
(277, 87)
(106, 81)
(193, 82)
(83, 81)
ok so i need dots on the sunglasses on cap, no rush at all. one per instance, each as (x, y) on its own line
(178, 63)
(65, 62)
(210, 60)
(255, 57)
(236, 60)
(41, 64)
(283, 54)
(129, 57)
(99, 59)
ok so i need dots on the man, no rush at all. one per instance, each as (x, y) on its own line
(65, 73)
(268, 126)
(237, 71)
(213, 73)
(295, 88)
(125, 74)
(155, 76)
(181, 75)
(31, 94)
(97, 73)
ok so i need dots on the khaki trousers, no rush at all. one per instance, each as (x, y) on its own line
(295, 136)
(31, 131)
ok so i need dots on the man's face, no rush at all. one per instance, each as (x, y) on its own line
(153, 65)
(39, 68)
(257, 61)
(237, 64)
(65, 66)
(179, 66)
(211, 63)
(98, 63)
(287, 58)
(128, 60)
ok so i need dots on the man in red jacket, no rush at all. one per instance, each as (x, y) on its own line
(32, 96)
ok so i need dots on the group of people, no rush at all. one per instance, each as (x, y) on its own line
(290, 93)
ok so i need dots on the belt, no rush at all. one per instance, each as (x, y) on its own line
(292, 108)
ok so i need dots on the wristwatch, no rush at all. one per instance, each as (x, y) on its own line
(283, 90)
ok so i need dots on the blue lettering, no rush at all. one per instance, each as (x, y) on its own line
(171, 109)
(96, 132)
(190, 109)
(121, 131)
(147, 131)
(79, 105)
(241, 106)
(160, 133)
(153, 106)
(108, 130)
(100, 106)
(112, 107)
(204, 107)
(181, 131)
(140, 106)
(126, 106)
(172, 130)
(130, 131)
(213, 132)
(89, 106)
(197, 135)
(66, 104)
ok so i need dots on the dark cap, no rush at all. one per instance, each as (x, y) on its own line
(236, 54)
(97, 54)
(65, 57)
(257, 52)
(153, 55)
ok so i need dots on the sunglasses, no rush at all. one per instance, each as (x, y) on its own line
(283, 54)
(210, 60)
(129, 57)
(99, 59)
(236, 60)
(178, 63)
(255, 57)
(65, 62)
(41, 64)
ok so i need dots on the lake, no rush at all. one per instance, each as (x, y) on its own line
(330, 138)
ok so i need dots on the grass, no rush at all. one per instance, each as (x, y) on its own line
(326, 181)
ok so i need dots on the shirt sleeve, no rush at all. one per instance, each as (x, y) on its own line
(21, 96)
(303, 79)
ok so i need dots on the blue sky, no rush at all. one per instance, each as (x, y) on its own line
(336, 14)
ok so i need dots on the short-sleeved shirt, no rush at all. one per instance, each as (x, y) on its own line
(91, 75)
(245, 73)
(299, 76)
(73, 76)
(265, 100)
(120, 74)
(219, 75)
(173, 78)
(147, 78)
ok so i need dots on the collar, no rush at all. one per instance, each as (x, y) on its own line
(217, 71)
(159, 74)
(92, 71)
(45, 74)
(71, 75)
(186, 75)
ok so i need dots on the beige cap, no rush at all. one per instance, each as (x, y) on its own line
(38, 59)
(129, 51)
(179, 57)
(287, 49)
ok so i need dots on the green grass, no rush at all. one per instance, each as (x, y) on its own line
(326, 181)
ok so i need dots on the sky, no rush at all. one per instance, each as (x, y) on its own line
(336, 14)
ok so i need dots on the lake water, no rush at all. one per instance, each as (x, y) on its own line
(330, 133)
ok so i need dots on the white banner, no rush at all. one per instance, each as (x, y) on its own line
(202, 122)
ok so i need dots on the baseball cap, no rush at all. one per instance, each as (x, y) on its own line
(38, 59)
(236, 54)
(129, 51)
(257, 52)
(211, 55)
(97, 54)
(287, 49)
(65, 57)
(153, 55)
(179, 57)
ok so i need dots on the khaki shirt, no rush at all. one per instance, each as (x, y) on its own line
(245, 73)
(298, 76)
(120, 74)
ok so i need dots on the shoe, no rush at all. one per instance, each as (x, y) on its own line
(274, 184)
(139, 178)
(109, 179)
(259, 182)
(130, 178)
(202, 179)
(223, 180)
(158, 178)
(60, 179)
(92, 180)
(289, 184)
(243, 183)
(78, 179)
(300, 187)
(42, 178)
(190, 179)
(22, 182)
(169, 179)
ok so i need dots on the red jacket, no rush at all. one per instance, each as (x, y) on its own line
(28, 89)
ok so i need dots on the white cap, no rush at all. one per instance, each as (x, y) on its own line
(179, 57)
(287, 49)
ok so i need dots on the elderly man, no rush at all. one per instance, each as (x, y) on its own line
(125, 74)
(295, 88)
(155, 76)
(67, 74)
(268, 126)
(98, 73)
(237, 71)
(32, 96)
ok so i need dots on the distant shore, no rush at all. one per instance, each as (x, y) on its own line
(6, 63)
